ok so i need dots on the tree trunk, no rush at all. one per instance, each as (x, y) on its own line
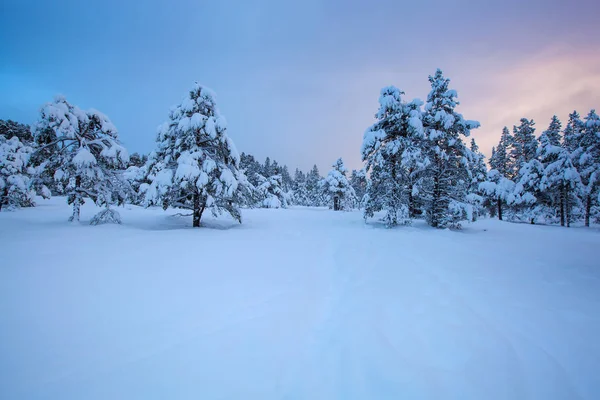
(336, 203)
(588, 209)
(410, 202)
(435, 202)
(197, 211)
(77, 201)
(499, 209)
(562, 206)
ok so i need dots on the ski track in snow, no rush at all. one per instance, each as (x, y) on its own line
(294, 304)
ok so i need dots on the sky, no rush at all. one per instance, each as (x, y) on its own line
(299, 81)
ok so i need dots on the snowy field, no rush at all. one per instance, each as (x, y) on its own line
(294, 304)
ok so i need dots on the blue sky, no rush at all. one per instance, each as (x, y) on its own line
(298, 81)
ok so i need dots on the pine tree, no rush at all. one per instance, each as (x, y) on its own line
(85, 153)
(15, 181)
(448, 172)
(267, 168)
(315, 195)
(572, 133)
(286, 179)
(588, 163)
(271, 192)
(196, 164)
(358, 180)
(478, 174)
(337, 189)
(500, 155)
(300, 194)
(560, 177)
(393, 154)
(524, 147)
(250, 167)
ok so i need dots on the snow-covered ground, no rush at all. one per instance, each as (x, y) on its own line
(294, 304)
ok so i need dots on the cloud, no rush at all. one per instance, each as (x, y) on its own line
(555, 81)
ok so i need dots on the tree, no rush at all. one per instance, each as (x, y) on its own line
(588, 162)
(337, 188)
(500, 159)
(392, 150)
(478, 174)
(15, 181)
(300, 194)
(572, 133)
(448, 171)
(358, 180)
(561, 178)
(271, 193)
(10, 129)
(315, 195)
(524, 144)
(250, 167)
(85, 152)
(267, 168)
(286, 179)
(196, 165)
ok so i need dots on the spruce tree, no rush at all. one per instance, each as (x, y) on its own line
(337, 189)
(300, 194)
(271, 193)
(393, 153)
(448, 171)
(286, 179)
(500, 159)
(524, 143)
(553, 185)
(358, 180)
(315, 195)
(196, 165)
(588, 160)
(478, 174)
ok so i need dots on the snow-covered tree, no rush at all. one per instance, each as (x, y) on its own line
(337, 188)
(286, 179)
(500, 190)
(15, 181)
(10, 129)
(195, 165)
(85, 153)
(588, 164)
(500, 160)
(300, 195)
(572, 133)
(532, 207)
(315, 194)
(267, 169)
(271, 193)
(358, 180)
(524, 144)
(448, 173)
(478, 174)
(392, 150)
(561, 179)
(250, 167)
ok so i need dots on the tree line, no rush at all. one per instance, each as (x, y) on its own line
(417, 165)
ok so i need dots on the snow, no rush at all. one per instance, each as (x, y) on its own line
(84, 158)
(294, 304)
